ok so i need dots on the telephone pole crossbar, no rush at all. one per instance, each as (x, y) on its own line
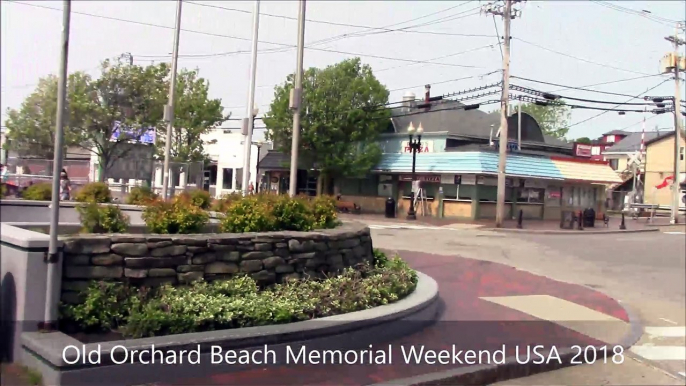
(506, 11)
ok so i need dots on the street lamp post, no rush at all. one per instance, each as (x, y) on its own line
(258, 177)
(415, 146)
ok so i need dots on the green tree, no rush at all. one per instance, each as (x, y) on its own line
(340, 119)
(553, 118)
(134, 96)
(30, 129)
(195, 114)
(584, 140)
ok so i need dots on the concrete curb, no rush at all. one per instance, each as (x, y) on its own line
(568, 232)
(44, 351)
(489, 374)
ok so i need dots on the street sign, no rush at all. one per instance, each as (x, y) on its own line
(140, 135)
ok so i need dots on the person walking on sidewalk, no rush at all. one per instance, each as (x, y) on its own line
(251, 189)
(65, 186)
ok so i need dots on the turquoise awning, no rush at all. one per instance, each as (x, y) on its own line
(470, 163)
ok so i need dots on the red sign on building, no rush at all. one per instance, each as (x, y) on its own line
(582, 150)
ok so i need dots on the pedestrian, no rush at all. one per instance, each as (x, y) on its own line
(65, 186)
(3, 180)
(3, 173)
(251, 188)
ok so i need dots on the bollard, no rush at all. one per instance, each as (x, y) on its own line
(581, 221)
(622, 226)
(519, 219)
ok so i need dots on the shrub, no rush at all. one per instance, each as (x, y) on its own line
(106, 306)
(248, 214)
(40, 192)
(3, 190)
(292, 214)
(140, 195)
(102, 218)
(94, 192)
(380, 259)
(222, 205)
(324, 212)
(175, 216)
(237, 302)
(266, 212)
(200, 198)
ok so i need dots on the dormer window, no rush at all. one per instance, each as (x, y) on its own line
(610, 139)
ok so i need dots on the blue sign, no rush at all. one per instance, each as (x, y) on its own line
(140, 135)
(511, 145)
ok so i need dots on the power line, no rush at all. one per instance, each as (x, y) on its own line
(630, 99)
(500, 44)
(246, 39)
(446, 81)
(645, 14)
(541, 93)
(344, 24)
(582, 88)
(579, 59)
(437, 58)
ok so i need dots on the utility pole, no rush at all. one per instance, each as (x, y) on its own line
(249, 122)
(52, 288)
(169, 110)
(677, 123)
(507, 14)
(296, 99)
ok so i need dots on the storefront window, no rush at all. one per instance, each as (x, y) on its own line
(531, 195)
(227, 174)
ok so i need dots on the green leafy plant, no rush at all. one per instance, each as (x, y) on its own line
(222, 204)
(178, 215)
(105, 306)
(3, 191)
(94, 192)
(39, 192)
(324, 212)
(237, 302)
(199, 198)
(248, 214)
(140, 195)
(292, 214)
(380, 259)
(102, 218)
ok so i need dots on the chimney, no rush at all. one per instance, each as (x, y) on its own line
(427, 93)
(408, 101)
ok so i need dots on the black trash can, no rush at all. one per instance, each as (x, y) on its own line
(390, 207)
(589, 218)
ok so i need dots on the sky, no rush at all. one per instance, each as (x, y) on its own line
(450, 46)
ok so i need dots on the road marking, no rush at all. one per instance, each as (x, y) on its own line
(683, 374)
(660, 353)
(550, 308)
(414, 227)
(668, 321)
(667, 332)
(675, 233)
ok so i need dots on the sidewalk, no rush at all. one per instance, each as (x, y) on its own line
(527, 225)
(486, 305)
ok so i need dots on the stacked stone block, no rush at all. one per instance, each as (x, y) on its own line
(153, 260)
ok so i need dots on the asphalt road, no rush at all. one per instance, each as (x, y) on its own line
(645, 271)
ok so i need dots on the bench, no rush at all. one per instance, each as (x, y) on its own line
(347, 206)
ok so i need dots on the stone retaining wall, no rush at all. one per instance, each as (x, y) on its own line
(151, 260)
